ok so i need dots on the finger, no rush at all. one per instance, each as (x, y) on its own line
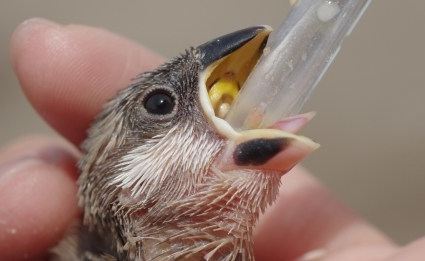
(307, 217)
(37, 197)
(68, 72)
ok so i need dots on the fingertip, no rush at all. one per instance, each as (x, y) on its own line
(69, 72)
(38, 199)
(25, 42)
(37, 49)
(23, 33)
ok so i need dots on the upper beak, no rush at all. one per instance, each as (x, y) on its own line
(218, 48)
(226, 63)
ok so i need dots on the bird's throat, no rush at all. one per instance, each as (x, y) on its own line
(216, 223)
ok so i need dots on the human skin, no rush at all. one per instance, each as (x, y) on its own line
(67, 75)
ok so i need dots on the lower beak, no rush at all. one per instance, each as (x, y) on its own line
(268, 149)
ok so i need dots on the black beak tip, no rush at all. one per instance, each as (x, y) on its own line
(216, 49)
(258, 151)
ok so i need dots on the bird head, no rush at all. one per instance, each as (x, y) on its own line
(166, 176)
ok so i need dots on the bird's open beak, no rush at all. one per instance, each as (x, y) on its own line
(227, 61)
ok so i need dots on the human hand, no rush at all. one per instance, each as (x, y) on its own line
(67, 73)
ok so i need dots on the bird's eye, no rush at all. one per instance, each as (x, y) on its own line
(159, 102)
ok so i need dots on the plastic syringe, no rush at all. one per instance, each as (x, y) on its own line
(294, 60)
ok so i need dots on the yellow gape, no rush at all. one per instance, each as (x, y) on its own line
(222, 94)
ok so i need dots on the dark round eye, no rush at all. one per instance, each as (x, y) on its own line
(159, 102)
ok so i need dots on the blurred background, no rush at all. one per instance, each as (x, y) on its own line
(371, 110)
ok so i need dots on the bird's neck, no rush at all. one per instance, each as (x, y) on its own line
(217, 222)
(224, 235)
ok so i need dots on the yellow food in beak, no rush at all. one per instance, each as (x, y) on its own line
(222, 94)
(224, 78)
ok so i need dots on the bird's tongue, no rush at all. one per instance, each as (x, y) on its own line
(295, 123)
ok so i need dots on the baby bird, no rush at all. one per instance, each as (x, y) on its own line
(165, 177)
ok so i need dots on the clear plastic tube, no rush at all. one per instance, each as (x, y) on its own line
(295, 58)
